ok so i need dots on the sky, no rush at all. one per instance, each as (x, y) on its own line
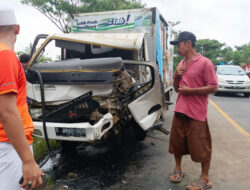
(224, 20)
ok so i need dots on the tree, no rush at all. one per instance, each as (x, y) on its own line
(244, 52)
(60, 12)
(236, 57)
(210, 49)
(26, 50)
(226, 55)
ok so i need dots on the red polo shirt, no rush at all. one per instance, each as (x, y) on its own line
(12, 79)
(199, 73)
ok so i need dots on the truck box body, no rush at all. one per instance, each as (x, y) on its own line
(157, 34)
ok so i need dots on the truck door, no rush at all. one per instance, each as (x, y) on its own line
(146, 106)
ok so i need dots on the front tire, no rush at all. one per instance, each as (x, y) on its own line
(69, 146)
(140, 134)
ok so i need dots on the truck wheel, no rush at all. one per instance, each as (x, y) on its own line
(69, 147)
(246, 95)
(139, 133)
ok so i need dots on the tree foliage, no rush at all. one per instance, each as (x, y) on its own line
(243, 53)
(210, 48)
(60, 12)
(226, 55)
(218, 52)
(28, 49)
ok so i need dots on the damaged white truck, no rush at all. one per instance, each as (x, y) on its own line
(114, 71)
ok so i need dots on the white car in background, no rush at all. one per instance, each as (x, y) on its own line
(232, 78)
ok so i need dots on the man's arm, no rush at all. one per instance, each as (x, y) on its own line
(197, 91)
(12, 124)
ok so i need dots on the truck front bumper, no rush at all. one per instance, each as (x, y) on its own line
(83, 132)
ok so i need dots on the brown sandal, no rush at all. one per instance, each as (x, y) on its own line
(199, 185)
(176, 176)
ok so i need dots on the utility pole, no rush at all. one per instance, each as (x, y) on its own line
(201, 49)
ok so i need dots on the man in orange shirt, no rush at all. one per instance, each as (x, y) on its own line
(16, 127)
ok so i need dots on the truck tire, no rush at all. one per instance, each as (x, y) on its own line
(69, 147)
(139, 133)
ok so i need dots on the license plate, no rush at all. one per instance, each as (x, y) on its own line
(67, 132)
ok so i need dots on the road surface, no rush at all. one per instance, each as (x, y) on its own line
(147, 165)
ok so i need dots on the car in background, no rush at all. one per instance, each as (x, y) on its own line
(248, 74)
(233, 79)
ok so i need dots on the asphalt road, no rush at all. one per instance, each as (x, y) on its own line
(147, 165)
(236, 106)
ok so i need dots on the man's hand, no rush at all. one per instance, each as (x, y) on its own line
(32, 175)
(185, 90)
(180, 71)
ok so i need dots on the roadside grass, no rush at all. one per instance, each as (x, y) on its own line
(40, 147)
(40, 151)
(51, 183)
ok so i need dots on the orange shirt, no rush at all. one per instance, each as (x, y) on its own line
(12, 79)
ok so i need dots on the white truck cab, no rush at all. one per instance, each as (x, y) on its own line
(113, 72)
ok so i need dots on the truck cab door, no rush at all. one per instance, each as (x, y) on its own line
(147, 102)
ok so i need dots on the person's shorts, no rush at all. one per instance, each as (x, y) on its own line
(190, 136)
(10, 167)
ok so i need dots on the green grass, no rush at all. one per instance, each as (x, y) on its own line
(40, 147)
(40, 151)
(50, 183)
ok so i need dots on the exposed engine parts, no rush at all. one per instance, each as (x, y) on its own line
(124, 82)
(88, 108)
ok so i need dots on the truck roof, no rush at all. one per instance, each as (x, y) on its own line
(128, 41)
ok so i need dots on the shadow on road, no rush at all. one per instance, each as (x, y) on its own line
(227, 94)
(96, 168)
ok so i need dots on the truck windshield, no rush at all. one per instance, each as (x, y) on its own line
(49, 53)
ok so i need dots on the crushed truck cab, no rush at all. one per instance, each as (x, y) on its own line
(89, 85)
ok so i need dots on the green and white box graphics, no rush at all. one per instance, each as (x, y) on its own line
(134, 21)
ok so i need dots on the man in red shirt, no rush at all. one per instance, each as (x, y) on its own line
(194, 80)
(16, 127)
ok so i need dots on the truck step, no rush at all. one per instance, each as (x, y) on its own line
(159, 126)
(168, 103)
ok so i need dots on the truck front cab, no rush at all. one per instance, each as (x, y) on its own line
(94, 81)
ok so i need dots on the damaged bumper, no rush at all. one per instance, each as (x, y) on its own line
(84, 132)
